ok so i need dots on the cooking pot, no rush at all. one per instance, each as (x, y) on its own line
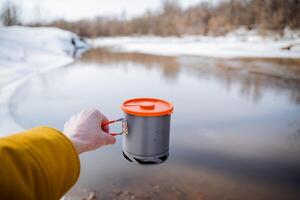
(145, 130)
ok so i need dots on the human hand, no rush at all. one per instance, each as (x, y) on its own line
(85, 132)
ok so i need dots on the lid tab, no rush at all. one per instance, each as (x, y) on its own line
(147, 105)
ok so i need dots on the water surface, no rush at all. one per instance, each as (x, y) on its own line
(235, 129)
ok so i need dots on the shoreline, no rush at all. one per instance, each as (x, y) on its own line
(237, 44)
(57, 48)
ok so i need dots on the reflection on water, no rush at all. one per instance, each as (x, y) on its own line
(169, 66)
(253, 75)
(235, 130)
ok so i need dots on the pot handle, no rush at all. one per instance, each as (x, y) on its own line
(124, 126)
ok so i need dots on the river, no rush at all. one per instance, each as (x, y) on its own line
(235, 130)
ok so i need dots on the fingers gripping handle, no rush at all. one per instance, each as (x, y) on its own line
(124, 126)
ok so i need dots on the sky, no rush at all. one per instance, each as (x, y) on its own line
(78, 9)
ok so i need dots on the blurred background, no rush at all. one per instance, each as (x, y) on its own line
(231, 68)
(156, 17)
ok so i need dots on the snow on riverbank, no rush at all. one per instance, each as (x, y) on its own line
(240, 43)
(25, 51)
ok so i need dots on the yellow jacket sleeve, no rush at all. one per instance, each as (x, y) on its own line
(37, 164)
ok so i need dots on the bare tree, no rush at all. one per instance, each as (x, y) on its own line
(10, 14)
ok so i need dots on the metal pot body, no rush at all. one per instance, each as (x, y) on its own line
(147, 141)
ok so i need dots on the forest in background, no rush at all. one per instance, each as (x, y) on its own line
(172, 20)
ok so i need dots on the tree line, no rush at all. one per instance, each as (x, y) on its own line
(201, 19)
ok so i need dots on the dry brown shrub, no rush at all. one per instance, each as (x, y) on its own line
(204, 18)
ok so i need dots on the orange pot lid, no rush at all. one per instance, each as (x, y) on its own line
(147, 107)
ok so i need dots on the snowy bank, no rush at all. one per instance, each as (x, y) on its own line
(25, 51)
(240, 43)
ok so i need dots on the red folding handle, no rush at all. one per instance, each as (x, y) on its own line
(111, 122)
